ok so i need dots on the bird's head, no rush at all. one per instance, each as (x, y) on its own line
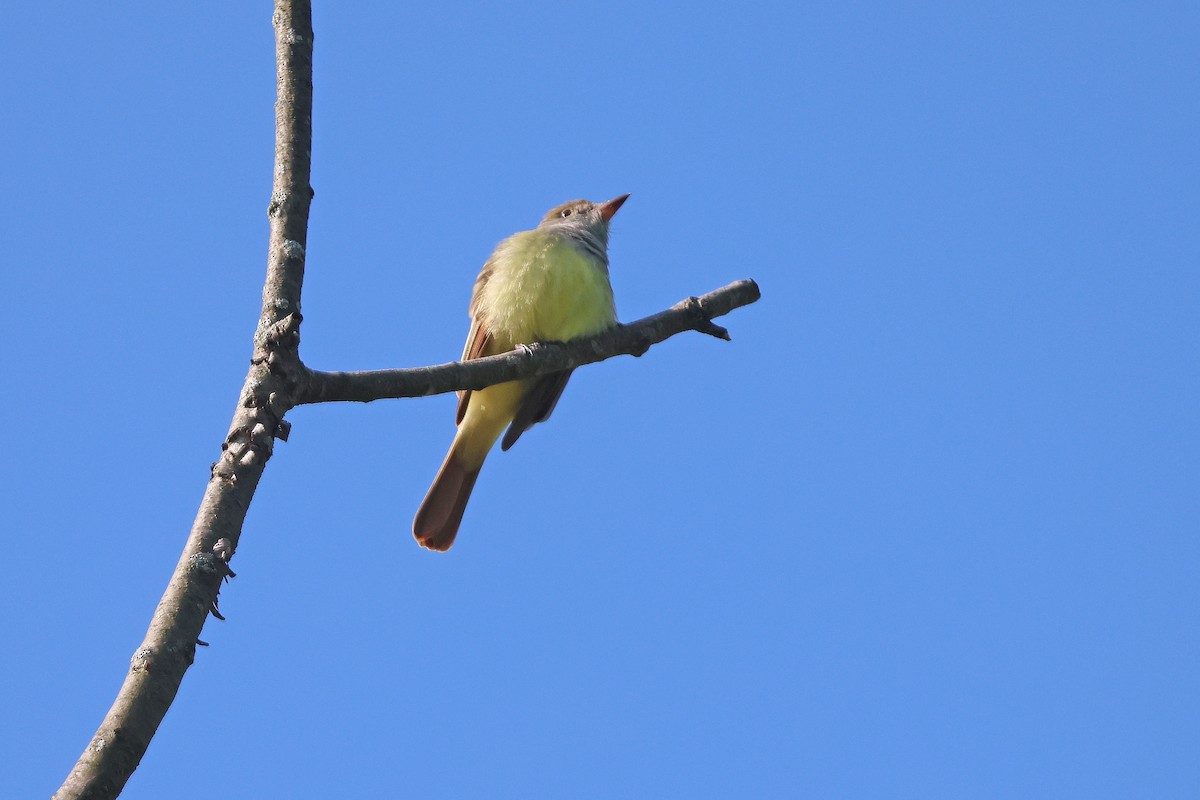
(584, 214)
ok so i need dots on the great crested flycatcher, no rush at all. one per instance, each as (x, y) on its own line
(547, 284)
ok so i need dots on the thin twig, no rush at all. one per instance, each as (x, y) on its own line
(632, 339)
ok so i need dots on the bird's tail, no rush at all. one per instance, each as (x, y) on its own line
(440, 514)
(489, 411)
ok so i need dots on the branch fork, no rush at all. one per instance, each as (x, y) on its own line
(276, 382)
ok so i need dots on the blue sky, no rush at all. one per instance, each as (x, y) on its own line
(925, 528)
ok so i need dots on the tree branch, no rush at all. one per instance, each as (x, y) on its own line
(277, 381)
(694, 314)
(169, 648)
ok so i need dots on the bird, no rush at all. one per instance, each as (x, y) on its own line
(546, 284)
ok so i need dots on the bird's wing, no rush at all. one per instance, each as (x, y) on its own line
(477, 342)
(477, 338)
(536, 406)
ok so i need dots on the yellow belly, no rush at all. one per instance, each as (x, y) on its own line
(542, 288)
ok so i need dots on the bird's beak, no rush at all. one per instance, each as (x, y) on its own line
(608, 209)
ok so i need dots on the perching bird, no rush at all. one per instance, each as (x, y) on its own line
(547, 284)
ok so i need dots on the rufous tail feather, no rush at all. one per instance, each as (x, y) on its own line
(439, 516)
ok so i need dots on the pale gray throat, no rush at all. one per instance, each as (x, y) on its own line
(588, 242)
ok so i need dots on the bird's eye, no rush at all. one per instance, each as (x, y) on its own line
(566, 212)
